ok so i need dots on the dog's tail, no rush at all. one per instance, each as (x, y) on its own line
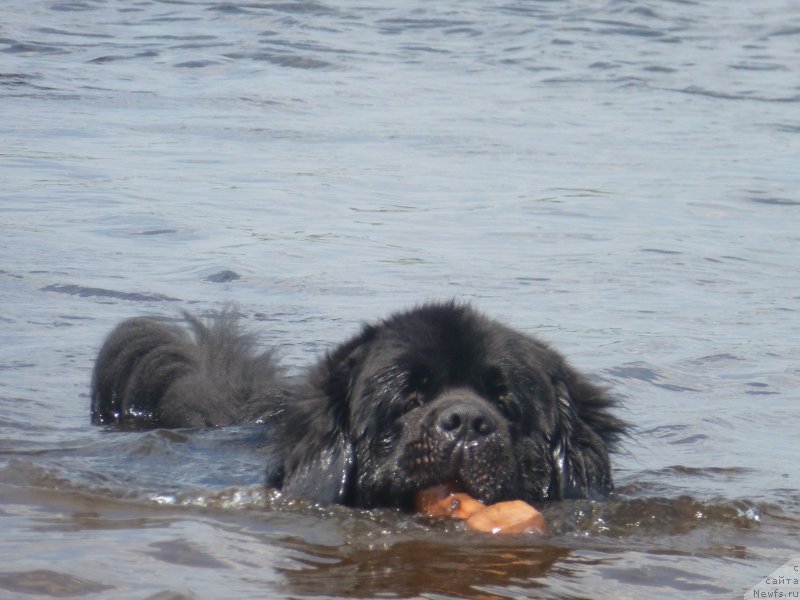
(153, 374)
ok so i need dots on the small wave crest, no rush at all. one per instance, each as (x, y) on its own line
(234, 498)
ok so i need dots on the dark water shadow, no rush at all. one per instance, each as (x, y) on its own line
(465, 566)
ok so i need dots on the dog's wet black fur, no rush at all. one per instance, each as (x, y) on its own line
(436, 394)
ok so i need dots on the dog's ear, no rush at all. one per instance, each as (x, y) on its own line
(585, 433)
(320, 466)
(320, 460)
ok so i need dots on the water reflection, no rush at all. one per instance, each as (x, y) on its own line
(466, 567)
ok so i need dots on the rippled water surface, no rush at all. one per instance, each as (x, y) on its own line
(620, 178)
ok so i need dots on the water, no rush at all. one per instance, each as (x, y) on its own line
(620, 178)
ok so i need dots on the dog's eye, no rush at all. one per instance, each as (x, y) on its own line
(509, 408)
(496, 388)
(412, 401)
(419, 379)
(494, 383)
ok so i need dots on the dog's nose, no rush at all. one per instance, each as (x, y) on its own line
(467, 422)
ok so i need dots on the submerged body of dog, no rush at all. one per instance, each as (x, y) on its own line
(437, 394)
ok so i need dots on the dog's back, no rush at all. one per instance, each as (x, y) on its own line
(153, 374)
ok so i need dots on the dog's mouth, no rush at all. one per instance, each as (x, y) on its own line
(485, 473)
(427, 498)
(478, 481)
(441, 490)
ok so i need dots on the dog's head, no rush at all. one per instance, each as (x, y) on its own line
(441, 394)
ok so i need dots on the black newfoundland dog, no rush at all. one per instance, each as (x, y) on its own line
(437, 394)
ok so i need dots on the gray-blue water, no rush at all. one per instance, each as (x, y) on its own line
(620, 178)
